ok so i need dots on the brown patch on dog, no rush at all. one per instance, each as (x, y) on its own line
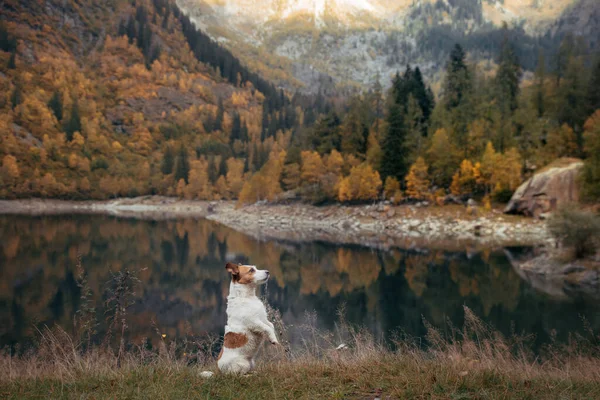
(234, 340)
(220, 354)
(242, 274)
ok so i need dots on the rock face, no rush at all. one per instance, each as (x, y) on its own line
(547, 190)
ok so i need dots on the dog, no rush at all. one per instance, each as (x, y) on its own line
(247, 324)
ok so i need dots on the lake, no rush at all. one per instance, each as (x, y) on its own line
(183, 283)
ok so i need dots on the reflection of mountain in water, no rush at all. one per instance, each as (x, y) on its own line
(184, 283)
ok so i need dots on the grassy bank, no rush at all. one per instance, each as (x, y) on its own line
(473, 362)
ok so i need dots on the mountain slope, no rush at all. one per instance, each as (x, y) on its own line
(353, 42)
(97, 95)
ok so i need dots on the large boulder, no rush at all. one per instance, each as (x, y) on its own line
(548, 189)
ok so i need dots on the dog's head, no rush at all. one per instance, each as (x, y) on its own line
(247, 274)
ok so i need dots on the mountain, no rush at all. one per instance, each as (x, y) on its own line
(114, 98)
(319, 44)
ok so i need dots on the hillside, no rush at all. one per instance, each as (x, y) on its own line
(352, 42)
(107, 99)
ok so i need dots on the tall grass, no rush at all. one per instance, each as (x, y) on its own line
(346, 362)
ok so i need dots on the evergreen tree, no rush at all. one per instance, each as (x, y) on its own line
(377, 102)
(593, 95)
(74, 123)
(55, 104)
(130, 30)
(326, 134)
(168, 161)
(571, 98)
(395, 155)
(16, 97)
(12, 61)
(508, 75)
(236, 128)
(354, 140)
(220, 115)
(223, 166)
(213, 172)
(458, 79)
(182, 165)
(539, 98)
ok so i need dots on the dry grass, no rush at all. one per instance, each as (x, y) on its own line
(474, 362)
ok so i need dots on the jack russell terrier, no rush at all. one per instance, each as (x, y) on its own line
(247, 324)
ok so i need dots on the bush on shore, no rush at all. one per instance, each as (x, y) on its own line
(576, 229)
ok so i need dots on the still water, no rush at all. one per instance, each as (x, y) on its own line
(183, 282)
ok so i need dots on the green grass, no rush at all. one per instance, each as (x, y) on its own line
(475, 362)
(399, 377)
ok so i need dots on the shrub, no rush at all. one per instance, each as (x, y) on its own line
(576, 229)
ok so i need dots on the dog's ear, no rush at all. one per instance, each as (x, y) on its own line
(232, 268)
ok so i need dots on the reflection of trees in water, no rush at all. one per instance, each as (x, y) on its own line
(184, 284)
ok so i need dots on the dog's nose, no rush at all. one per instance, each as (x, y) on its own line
(268, 273)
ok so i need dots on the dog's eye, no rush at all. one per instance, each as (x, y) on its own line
(252, 270)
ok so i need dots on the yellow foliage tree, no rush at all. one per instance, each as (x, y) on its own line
(363, 184)
(391, 189)
(10, 170)
(199, 186)
(264, 185)
(465, 180)
(417, 182)
(235, 177)
(312, 167)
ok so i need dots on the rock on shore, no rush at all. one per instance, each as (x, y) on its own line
(377, 225)
(380, 225)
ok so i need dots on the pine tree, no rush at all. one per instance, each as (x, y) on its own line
(508, 75)
(16, 97)
(571, 101)
(236, 128)
(591, 170)
(539, 98)
(55, 104)
(168, 161)
(74, 123)
(182, 165)
(213, 172)
(394, 161)
(593, 95)
(458, 80)
(353, 129)
(12, 61)
(220, 115)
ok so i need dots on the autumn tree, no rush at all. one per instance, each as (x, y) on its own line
(10, 170)
(561, 142)
(392, 190)
(417, 181)
(363, 184)
(465, 181)
(235, 176)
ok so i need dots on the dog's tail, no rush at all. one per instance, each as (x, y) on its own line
(206, 374)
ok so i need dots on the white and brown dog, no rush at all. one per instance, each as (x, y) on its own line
(247, 324)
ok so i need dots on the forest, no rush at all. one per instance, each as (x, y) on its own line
(133, 100)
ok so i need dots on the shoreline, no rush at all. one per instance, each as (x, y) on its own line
(378, 225)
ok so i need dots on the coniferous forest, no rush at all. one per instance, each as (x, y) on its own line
(128, 98)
